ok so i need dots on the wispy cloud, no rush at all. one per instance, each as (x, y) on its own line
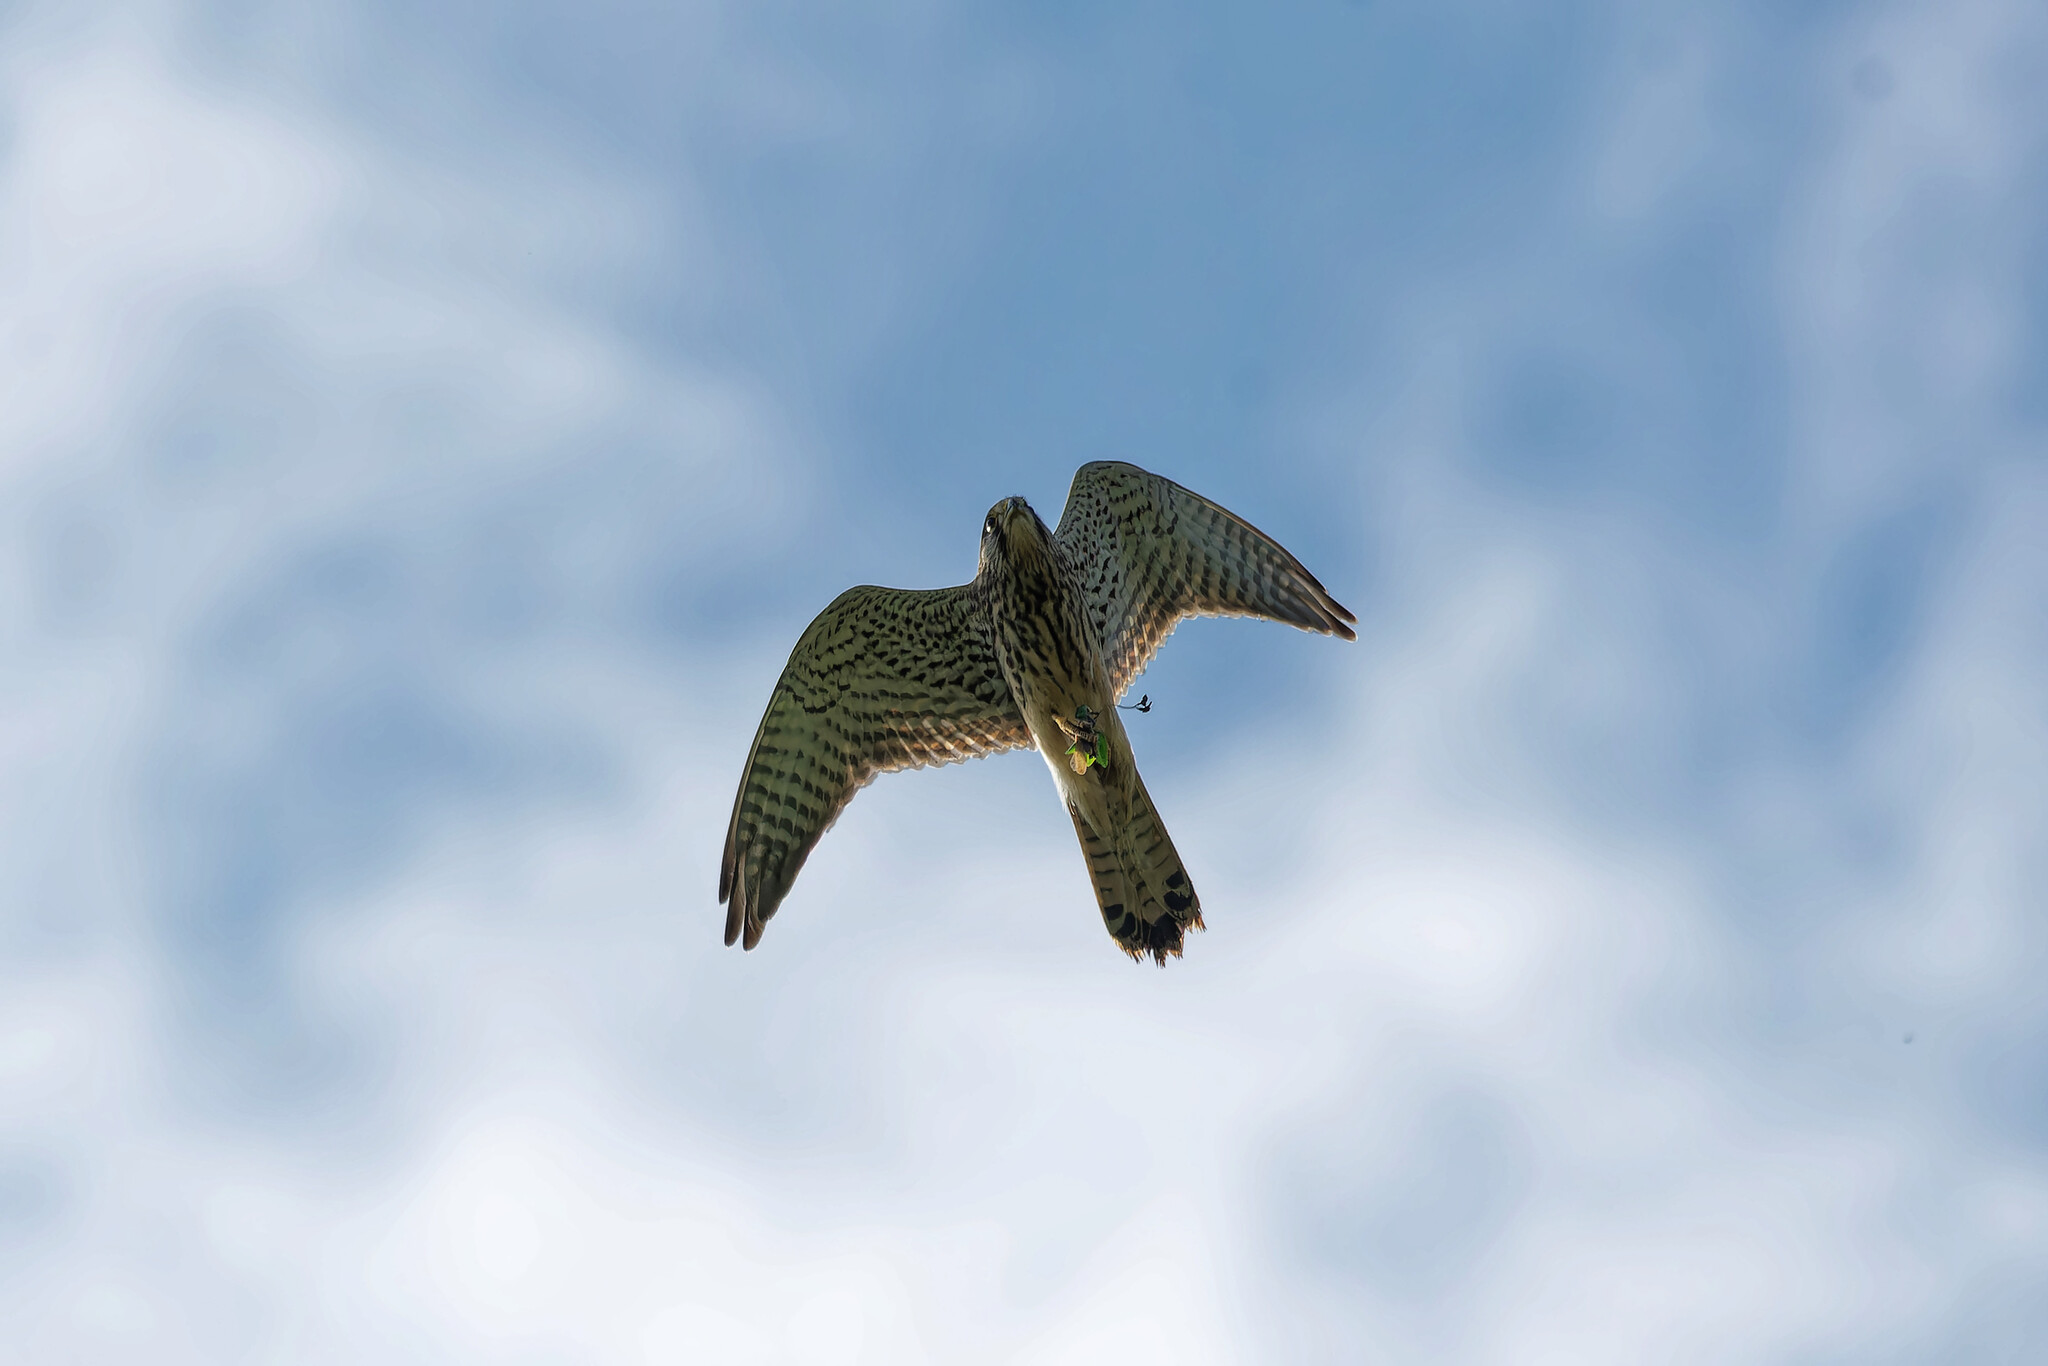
(1625, 952)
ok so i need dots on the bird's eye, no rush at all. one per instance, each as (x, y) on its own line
(989, 526)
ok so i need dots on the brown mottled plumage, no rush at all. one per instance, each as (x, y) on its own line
(1036, 650)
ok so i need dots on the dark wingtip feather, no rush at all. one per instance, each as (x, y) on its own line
(735, 909)
(1337, 618)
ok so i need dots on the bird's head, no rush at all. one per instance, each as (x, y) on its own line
(1012, 533)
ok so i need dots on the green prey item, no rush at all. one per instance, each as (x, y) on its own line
(1098, 755)
(1099, 752)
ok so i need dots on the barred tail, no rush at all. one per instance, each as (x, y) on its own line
(1147, 901)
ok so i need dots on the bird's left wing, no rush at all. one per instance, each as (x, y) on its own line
(1150, 553)
(885, 678)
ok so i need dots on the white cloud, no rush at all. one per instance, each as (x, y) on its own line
(1464, 1074)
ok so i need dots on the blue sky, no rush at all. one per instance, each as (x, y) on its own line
(427, 428)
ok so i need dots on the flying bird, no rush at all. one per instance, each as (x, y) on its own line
(1037, 650)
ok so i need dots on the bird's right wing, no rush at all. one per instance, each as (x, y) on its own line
(1151, 552)
(885, 678)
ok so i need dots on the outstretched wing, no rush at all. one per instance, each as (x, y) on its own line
(885, 678)
(1151, 552)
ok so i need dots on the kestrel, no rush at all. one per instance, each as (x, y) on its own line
(1037, 650)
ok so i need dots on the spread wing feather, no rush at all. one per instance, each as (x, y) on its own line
(1150, 552)
(884, 679)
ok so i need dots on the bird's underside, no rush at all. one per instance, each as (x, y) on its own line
(1036, 650)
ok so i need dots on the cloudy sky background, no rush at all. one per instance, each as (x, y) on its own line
(427, 427)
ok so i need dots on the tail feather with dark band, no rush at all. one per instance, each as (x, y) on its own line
(1148, 904)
